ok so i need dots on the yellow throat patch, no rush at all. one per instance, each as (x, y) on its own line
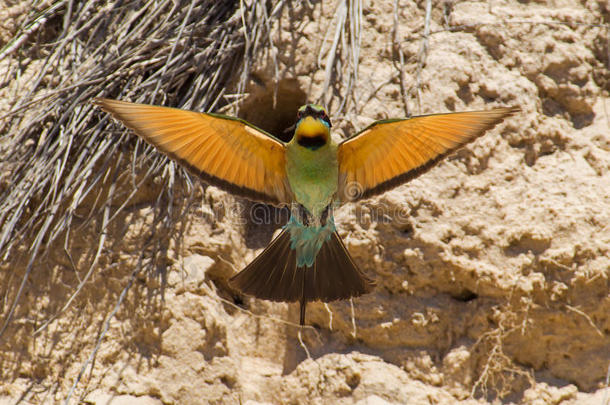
(311, 127)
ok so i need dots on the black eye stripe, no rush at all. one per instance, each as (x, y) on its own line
(310, 111)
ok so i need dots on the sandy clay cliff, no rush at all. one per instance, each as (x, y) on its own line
(492, 269)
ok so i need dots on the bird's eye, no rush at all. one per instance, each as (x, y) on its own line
(325, 118)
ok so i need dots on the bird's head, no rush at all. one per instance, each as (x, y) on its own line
(312, 129)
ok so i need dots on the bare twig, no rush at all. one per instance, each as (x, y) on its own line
(587, 318)
(300, 337)
(423, 52)
(103, 334)
(330, 316)
(401, 58)
(340, 15)
(31, 28)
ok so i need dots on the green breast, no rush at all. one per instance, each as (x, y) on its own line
(313, 175)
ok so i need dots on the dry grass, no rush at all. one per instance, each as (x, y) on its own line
(498, 375)
(58, 150)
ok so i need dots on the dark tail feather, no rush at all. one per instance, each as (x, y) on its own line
(274, 275)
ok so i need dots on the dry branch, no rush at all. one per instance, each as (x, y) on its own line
(60, 151)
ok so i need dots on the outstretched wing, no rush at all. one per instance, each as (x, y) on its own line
(389, 153)
(226, 152)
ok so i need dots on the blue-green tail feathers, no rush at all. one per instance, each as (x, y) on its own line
(275, 275)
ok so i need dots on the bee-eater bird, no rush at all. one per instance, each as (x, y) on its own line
(311, 174)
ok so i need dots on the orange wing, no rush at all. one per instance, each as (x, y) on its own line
(389, 153)
(226, 152)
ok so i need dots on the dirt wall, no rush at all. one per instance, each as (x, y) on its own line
(492, 268)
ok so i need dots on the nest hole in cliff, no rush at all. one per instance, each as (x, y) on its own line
(273, 108)
(464, 295)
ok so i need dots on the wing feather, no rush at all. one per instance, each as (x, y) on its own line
(392, 152)
(226, 152)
